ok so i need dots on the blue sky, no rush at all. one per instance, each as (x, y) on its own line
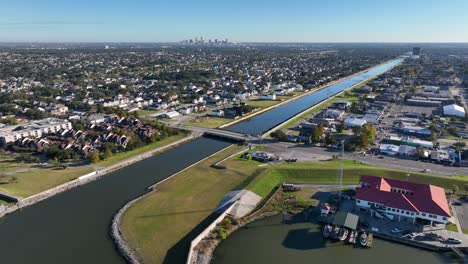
(239, 20)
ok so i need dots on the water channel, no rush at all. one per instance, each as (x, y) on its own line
(73, 227)
(271, 240)
(264, 122)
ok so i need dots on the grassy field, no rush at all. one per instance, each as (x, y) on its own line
(161, 225)
(327, 172)
(143, 112)
(26, 179)
(451, 227)
(37, 180)
(208, 121)
(128, 154)
(263, 103)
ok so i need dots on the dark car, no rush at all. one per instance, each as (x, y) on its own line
(454, 241)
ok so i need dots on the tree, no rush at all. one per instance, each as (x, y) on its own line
(434, 138)
(329, 139)
(459, 146)
(94, 158)
(455, 189)
(317, 134)
(465, 187)
(107, 153)
(421, 152)
(279, 135)
(355, 108)
(340, 127)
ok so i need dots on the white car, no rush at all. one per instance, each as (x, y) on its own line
(454, 241)
(412, 235)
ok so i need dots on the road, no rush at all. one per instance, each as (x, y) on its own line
(306, 153)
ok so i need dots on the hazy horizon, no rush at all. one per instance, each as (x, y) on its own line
(295, 21)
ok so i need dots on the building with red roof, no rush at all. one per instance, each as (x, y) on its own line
(422, 203)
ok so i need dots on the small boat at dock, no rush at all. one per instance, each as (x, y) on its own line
(363, 239)
(352, 237)
(335, 232)
(327, 229)
(343, 234)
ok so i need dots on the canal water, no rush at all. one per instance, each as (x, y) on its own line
(271, 240)
(74, 227)
(264, 122)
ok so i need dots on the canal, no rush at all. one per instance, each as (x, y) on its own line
(73, 227)
(271, 240)
(264, 122)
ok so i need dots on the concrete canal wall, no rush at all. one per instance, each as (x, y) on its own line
(84, 179)
(192, 255)
(279, 126)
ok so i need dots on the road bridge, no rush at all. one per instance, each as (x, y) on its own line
(216, 132)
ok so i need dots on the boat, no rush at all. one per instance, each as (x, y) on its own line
(343, 234)
(327, 230)
(363, 239)
(335, 232)
(352, 237)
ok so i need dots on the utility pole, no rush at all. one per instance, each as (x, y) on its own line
(340, 176)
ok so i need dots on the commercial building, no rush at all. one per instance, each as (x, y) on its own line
(454, 110)
(400, 200)
(416, 52)
(351, 122)
(33, 129)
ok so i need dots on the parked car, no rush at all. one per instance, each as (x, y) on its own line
(454, 241)
(456, 203)
(412, 235)
(396, 230)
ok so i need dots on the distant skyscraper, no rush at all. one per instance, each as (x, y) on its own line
(416, 51)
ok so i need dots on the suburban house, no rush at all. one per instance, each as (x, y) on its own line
(417, 203)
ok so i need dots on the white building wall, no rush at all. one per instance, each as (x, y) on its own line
(405, 213)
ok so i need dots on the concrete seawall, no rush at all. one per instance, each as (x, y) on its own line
(84, 179)
(192, 254)
(125, 250)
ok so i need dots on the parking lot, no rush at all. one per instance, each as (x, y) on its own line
(461, 208)
(423, 110)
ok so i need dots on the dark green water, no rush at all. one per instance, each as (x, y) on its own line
(73, 227)
(270, 241)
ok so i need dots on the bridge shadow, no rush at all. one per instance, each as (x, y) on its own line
(176, 213)
(178, 252)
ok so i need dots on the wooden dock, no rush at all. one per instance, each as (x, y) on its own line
(458, 252)
(370, 238)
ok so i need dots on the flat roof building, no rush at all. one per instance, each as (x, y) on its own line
(33, 129)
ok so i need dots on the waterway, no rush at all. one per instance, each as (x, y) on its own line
(271, 240)
(264, 122)
(73, 227)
